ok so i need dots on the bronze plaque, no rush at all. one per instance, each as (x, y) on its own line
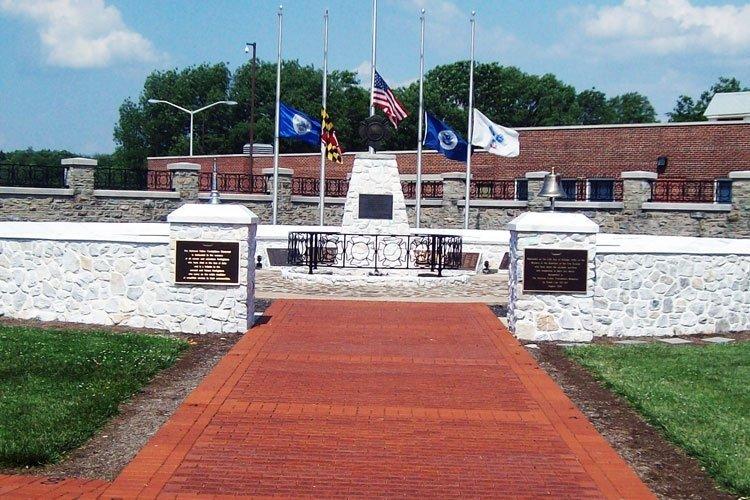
(376, 206)
(207, 263)
(548, 270)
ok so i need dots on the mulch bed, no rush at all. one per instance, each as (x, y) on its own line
(115, 445)
(664, 467)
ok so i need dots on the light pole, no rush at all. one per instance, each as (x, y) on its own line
(192, 113)
(252, 102)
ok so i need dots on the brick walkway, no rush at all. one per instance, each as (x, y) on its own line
(378, 398)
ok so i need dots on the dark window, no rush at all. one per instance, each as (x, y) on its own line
(601, 190)
(522, 189)
(724, 191)
(568, 187)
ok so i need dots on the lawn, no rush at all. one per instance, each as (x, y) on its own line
(58, 387)
(699, 396)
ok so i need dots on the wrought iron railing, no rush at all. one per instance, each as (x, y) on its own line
(682, 191)
(132, 179)
(603, 190)
(234, 183)
(503, 189)
(430, 189)
(37, 176)
(310, 186)
(574, 189)
(374, 251)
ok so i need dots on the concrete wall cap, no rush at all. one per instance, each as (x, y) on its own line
(639, 174)
(184, 166)
(374, 156)
(79, 162)
(536, 175)
(454, 176)
(282, 171)
(194, 213)
(553, 222)
(739, 174)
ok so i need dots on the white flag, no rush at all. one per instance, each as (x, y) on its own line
(494, 138)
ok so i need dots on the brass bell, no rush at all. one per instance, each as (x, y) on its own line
(551, 188)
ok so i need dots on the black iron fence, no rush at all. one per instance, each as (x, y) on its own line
(310, 186)
(234, 183)
(374, 251)
(36, 176)
(496, 189)
(132, 179)
(684, 191)
(431, 190)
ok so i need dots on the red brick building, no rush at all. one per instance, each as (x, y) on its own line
(705, 150)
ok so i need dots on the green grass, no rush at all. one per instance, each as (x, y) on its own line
(698, 396)
(58, 387)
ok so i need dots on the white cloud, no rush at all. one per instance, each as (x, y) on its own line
(82, 33)
(669, 26)
(363, 70)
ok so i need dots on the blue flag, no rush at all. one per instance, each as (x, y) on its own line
(295, 124)
(444, 139)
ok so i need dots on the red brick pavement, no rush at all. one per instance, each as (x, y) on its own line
(369, 399)
(378, 399)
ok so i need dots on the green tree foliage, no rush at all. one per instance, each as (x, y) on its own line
(687, 109)
(505, 94)
(44, 157)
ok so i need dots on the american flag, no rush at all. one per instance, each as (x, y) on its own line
(383, 98)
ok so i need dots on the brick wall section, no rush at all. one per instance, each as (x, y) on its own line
(695, 151)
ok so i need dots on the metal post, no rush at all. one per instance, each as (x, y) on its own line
(252, 109)
(214, 198)
(276, 133)
(325, 99)
(373, 57)
(420, 131)
(471, 122)
(191, 133)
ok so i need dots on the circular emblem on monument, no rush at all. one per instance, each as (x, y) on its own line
(448, 139)
(301, 124)
(374, 131)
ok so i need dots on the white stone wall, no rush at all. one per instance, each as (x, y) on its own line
(550, 316)
(671, 294)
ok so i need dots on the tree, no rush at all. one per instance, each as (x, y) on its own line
(593, 108)
(687, 109)
(631, 108)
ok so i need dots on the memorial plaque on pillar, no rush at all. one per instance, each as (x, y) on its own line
(207, 263)
(376, 206)
(551, 270)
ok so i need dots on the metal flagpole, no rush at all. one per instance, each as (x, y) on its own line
(373, 57)
(470, 132)
(276, 132)
(325, 99)
(418, 190)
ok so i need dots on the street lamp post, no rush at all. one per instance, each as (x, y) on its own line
(252, 102)
(192, 113)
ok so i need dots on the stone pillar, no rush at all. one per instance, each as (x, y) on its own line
(740, 215)
(285, 210)
(214, 307)
(558, 315)
(186, 179)
(535, 179)
(636, 190)
(454, 199)
(80, 175)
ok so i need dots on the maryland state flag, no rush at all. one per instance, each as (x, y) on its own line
(328, 137)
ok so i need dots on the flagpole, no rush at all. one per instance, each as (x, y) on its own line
(373, 57)
(418, 190)
(276, 132)
(325, 99)
(471, 121)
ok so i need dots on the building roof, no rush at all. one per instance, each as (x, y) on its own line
(728, 106)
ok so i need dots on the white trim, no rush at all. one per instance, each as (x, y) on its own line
(425, 177)
(426, 202)
(610, 205)
(237, 196)
(37, 191)
(498, 203)
(316, 199)
(123, 193)
(689, 207)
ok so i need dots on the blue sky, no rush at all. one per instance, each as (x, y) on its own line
(67, 65)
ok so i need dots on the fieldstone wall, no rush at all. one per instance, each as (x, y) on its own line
(102, 277)
(671, 294)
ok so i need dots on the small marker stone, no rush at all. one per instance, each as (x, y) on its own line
(718, 340)
(531, 346)
(675, 341)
